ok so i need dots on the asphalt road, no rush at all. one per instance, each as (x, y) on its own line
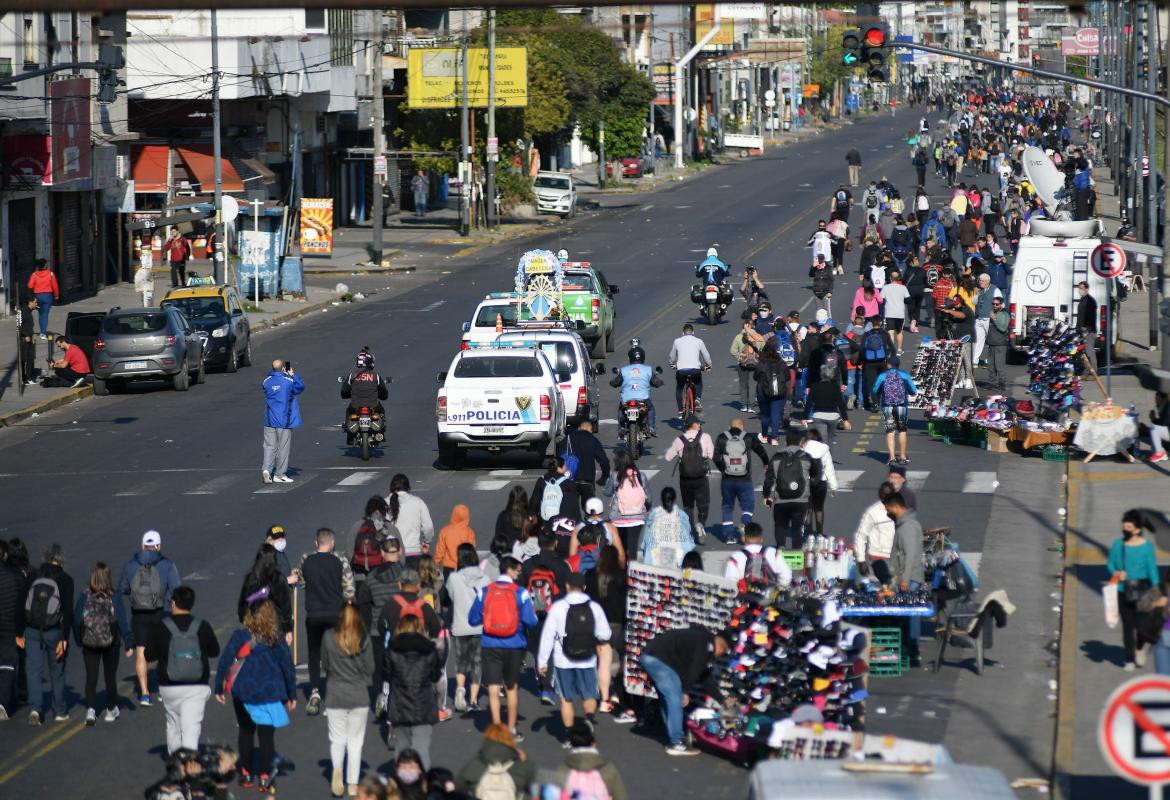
(94, 476)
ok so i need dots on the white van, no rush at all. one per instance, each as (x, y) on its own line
(1044, 285)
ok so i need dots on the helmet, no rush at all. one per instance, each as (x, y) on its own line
(712, 252)
(365, 359)
(563, 254)
(636, 355)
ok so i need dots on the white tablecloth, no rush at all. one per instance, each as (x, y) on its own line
(1106, 437)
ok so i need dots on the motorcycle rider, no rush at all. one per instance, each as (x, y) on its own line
(711, 269)
(363, 387)
(635, 380)
(689, 357)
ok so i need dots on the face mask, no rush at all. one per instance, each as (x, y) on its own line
(409, 775)
(1127, 535)
(279, 545)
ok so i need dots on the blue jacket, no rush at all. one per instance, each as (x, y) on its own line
(910, 387)
(933, 224)
(636, 381)
(168, 572)
(712, 270)
(280, 397)
(267, 675)
(518, 640)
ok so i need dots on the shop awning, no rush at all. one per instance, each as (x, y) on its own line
(149, 167)
(201, 164)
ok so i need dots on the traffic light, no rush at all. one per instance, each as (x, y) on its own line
(851, 48)
(112, 59)
(1164, 319)
(873, 57)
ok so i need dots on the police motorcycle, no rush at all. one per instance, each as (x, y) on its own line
(713, 295)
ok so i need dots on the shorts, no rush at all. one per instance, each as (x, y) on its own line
(896, 417)
(140, 624)
(895, 324)
(501, 666)
(576, 684)
(466, 654)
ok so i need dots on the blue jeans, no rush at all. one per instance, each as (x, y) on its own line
(1162, 653)
(39, 647)
(734, 489)
(670, 694)
(801, 378)
(853, 384)
(771, 412)
(44, 304)
(420, 204)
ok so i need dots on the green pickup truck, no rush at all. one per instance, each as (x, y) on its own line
(587, 296)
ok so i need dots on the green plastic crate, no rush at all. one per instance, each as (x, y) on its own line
(887, 659)
(794, 559)
(1054, 452)
(939, 428)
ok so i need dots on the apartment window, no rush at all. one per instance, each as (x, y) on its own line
(315, 19)
(29, 43)
(341, 37)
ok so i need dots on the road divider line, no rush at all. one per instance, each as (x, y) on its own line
(51, 739)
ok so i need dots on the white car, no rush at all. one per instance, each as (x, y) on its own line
(555, 194)
(569, 356)
(481, 329)
(498, 399)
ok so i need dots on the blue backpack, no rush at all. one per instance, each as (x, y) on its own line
(874, 345)
(572, 462)
(784, 346)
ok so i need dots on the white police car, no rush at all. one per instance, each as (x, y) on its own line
(569, 356)
(498, 399)
(481, 329)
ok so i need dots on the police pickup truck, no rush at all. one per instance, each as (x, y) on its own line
(498, 399)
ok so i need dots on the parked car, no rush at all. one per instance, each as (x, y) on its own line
(555, 194)
(218, 312)
(147, 344)
(633, 166)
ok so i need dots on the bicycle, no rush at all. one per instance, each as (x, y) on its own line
(688, 396)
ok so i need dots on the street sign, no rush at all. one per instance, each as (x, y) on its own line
(770, 94)
(1134, 731)
(493, 145)
(1145, 166)
(1107, 260)
(380, 166)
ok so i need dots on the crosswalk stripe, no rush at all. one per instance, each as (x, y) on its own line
(282, 488)
(149, 487)
(506, 473)
(917, 479)
(489, 485)
(846, 478)
(349, 481)
(215, 485)
(979, 483)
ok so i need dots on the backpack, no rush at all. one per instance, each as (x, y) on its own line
(542, 587)
(185, 654)
(874, 346)
(146, 590)
(410, 608)
(585, 785)
(585, 560)
(791, 481)
(501, 611)
(784, 346)
(550, 500)
(735, 456)
(367, 550)
(871, 200)
(893, 391)
(572, 462)
(579, 643)
(631, 496)
(877, 275)
(496, 783)
(757, 573)
(97, 621)
(842, 202)
(691, 463)
(831, 367)
(775, 380)
(42, 607)
(897, 205)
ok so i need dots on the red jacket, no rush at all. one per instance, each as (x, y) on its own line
(43, 280)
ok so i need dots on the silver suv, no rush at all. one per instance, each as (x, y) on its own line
(146, 344)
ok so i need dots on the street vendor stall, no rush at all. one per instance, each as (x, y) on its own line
(1106, 430)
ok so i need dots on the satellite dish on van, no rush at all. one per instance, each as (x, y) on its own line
(1065, 229)
(1045, 178)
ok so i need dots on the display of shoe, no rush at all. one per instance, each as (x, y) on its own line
(34, 718)
(445, 714)
(144, 700)
(266, 476)
(680, 749)
(337, 782)
(281, 479)
(626, 717)
(266, 785)
(246, 781)
(517, 736)
(1157, 458)
(1140, 657)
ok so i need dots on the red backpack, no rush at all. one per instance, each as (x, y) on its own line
(501, 611)
(410, 608)
(542, 587)
(367, 552)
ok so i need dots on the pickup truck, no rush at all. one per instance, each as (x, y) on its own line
(587, 296)
(744, 142)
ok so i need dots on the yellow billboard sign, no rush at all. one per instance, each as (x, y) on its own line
(704, 14)
(433, 77)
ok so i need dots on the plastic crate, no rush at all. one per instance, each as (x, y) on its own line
(794, 559)
(1054, 452)
(965, 433)
(886, 656)
(939, 428)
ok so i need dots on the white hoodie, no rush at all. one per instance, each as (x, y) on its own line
(820, 452)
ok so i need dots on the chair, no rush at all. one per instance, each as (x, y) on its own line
(974, 628)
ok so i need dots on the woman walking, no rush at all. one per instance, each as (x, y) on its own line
(265, 573)
(1133, 569)
(412, 518)
(510, 520)
(606, 585)
(462, 587)
(629, 492)
(98, 623)
(347, 660)
(667, 536)
(432, 591)
(771, 391)
(256, 669)
(745, 349)
(412, 668)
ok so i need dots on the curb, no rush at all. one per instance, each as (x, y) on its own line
(294, 314)
(1064, 722)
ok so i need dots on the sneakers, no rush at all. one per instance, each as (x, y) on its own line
(445, 714)
(61, 717)
(698, 405)
(246, 781)
(547, 699)
(266, 785)
(460, 699)
(1157, 457)
(566, 745)
(79, 382)
(112, 714)
(1140, 657)
(3, 714)
(313, 707)
(680, 749)
(337, 782)
(34, 719)
(626, 717)
(266, 476)
(281, 479)
(517, 736)
(1129, 667)
(90, 717)
(380, 705)
(144, 700)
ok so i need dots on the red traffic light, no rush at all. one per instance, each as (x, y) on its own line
(875, 37)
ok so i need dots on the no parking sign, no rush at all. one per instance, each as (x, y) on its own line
(1107, 260)
(1134, 732)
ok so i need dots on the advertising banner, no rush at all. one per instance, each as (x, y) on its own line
(69, 127)
(433, 77)
(317, 226)
(1080, 42)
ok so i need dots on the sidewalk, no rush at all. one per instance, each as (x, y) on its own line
(14, 407)
(1091, 654)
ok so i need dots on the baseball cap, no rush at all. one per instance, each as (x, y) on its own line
(794, 313)
(594, 506)
(275, 532)
(409, 577)
(152, 539)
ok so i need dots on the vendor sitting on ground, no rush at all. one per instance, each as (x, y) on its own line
(1159, 426)
(72, 367)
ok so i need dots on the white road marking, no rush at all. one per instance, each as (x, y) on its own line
(215, 485)
(979, 483)
(846, 478)
(349, 481)
(607, 421)
(282, 488)
(433, 305)
(141, 489)
(487, 485)
(770, 205)
(506, 473)
(917, 479)
(646, 207)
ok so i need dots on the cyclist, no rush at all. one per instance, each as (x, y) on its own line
(689, 357)
(711, 269)
(635, 380)
(363, 387)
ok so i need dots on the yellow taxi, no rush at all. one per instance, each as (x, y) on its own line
(217, 312)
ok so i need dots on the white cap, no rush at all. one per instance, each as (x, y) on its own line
(594, 506)
(712, 252)
(822, 315)
(152, 539)
(563, 254)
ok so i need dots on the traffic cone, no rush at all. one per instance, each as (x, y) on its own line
(499, 323)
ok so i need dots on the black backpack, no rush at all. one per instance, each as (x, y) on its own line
(580, 642)
(775, 382)
(791, 480)
(831, 367)
(42, 606)
(691, 463)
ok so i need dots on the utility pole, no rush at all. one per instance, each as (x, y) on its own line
(465, 139)
(1133, 162)
(601, 154)
(218, 258)
(1151, 185)
(377, 112)
(1162, 289)
(493, 151)
(679, 94)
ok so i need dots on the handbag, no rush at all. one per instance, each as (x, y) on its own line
(1133, 589)
(234, 670)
